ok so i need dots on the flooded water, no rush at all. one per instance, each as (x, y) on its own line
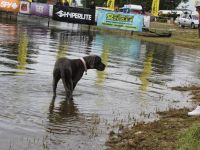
(135, 85)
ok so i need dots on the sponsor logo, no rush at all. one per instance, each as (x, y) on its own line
(119, 17)
(5, 4)
(74, 15)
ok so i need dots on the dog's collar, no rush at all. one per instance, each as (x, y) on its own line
(84, 64)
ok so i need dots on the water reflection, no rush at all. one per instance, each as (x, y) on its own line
(62, 48)
(163, 57)
(101, 75)
(22, 52)
(59, 116)
(138, 73)
(8, 34)
(146, 71)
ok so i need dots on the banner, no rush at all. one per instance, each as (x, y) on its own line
(40, 9)
(9, 5)
(155, 7)
(110, 19)
(24, 7)
(111, 4)
(74, 15)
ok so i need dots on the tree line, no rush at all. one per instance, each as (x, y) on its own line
(146, 4)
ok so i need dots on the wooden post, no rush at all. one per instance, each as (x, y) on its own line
(199, 24)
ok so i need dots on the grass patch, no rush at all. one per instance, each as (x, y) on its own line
(190, 139)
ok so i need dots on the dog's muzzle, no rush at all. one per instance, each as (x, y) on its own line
(101, 67)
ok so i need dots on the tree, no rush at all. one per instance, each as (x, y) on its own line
(99, 3)
(164, 4)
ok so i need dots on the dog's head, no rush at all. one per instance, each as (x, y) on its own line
(94, 62)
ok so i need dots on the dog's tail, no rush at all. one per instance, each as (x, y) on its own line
(67, 81)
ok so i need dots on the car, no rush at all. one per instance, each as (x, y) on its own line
(188, 20)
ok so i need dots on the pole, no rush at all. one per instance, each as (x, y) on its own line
(199, 28)
(198, 10)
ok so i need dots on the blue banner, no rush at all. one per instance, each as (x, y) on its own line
(118, 20)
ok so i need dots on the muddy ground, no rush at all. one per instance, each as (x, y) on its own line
(171, 131)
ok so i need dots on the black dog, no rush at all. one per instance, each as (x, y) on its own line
(71, 71)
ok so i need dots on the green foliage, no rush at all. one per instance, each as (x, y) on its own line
(99, 3)
(40, 1)
(189, 140)
(170, 15)
(164, 4)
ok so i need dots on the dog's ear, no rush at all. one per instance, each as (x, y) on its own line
(97, 60)
(92, 60)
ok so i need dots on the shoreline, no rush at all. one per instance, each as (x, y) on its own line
(173, 130)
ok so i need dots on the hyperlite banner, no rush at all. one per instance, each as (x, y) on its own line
(74, 15)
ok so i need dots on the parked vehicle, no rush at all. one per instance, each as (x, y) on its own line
(188, 20)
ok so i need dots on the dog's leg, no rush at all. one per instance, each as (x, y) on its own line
(67, 82)
(74, 85)
(56, 78)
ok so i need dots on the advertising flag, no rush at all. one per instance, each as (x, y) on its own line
(70, 2)
(155, 7)
(111, 4)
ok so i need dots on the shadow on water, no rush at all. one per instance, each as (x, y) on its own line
(59, 116)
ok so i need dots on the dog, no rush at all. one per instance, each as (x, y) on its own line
(71, 71)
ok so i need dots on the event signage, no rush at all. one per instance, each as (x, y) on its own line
(110, 19)
(24, 7)
(155, 7)
(40, 9)
(9, 5)
(74, 15)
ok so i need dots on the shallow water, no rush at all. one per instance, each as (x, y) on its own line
(135, 84)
